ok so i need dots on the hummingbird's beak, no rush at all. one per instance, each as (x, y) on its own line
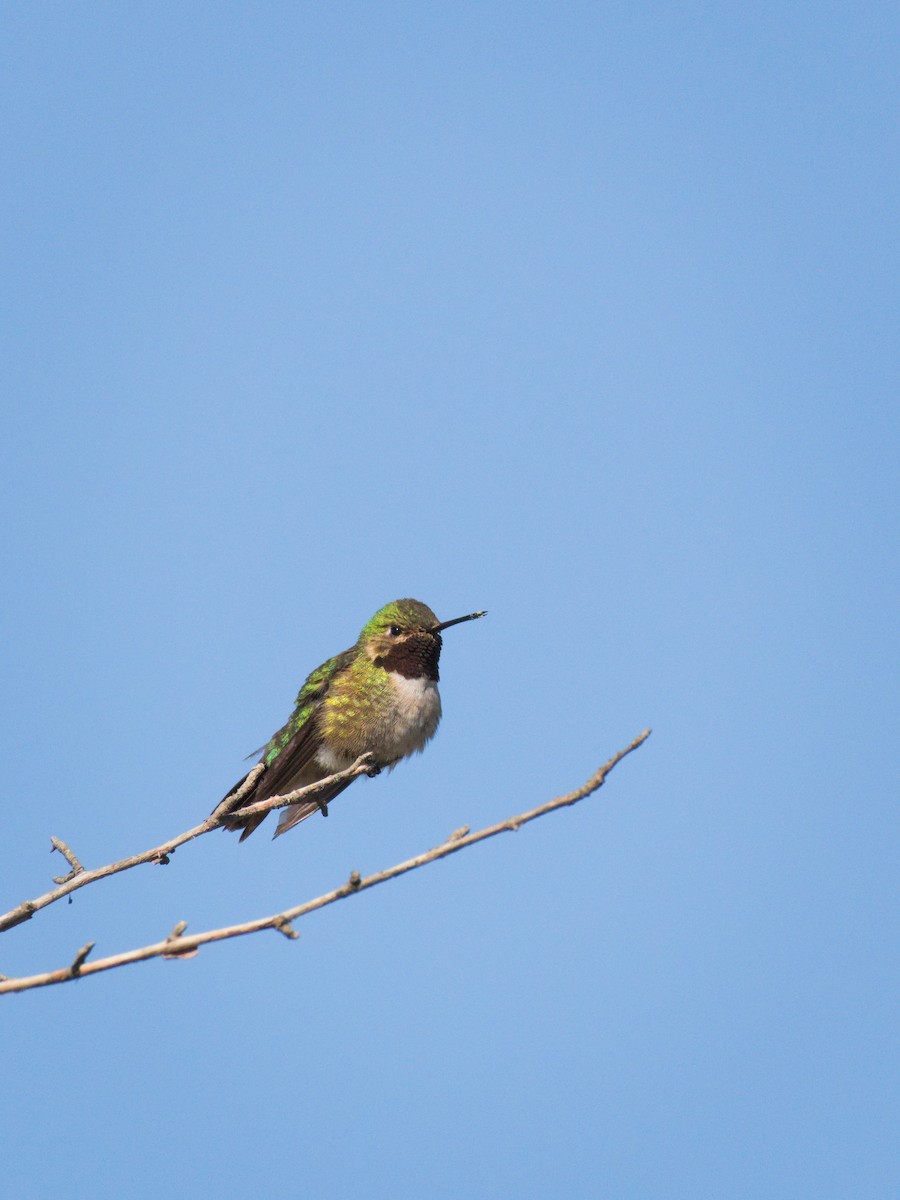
(456, 621)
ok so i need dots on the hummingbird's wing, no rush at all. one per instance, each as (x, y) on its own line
(294, 745)
(289, 754)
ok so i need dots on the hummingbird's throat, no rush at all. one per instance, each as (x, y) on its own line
(414, 656)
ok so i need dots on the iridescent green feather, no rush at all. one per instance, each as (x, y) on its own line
(307, 702)
(406, 613)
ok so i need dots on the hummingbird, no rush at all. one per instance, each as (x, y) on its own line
(379, 697)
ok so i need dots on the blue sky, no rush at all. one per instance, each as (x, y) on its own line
(583, 314)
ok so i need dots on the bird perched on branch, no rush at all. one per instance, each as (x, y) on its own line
(380, 698)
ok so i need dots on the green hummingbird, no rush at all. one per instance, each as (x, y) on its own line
(379, 697)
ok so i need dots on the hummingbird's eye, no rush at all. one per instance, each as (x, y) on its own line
(395, 631)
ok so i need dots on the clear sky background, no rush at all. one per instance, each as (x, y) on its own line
(581, 313)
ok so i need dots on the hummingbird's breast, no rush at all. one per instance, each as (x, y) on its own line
(417, 712)
(380, 712)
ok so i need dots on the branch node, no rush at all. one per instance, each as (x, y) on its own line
(67, 853)
(24, 912)
(233, 801)
(78, 960)
(175, 936)
(457, 834)
(283, 925)
(355, 880)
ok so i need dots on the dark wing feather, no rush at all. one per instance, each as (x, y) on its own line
(294, 746)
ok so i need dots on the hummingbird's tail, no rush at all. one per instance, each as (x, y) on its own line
(295, 813)
(247, 825)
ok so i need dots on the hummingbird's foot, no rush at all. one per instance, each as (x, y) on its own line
(372, 771)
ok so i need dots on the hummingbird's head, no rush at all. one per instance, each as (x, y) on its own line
(405, 636)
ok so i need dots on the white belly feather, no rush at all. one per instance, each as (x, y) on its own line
(416, 714)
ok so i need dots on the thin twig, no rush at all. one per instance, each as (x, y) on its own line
(180, 946)
(78, 877)
(69, 856)
(77, 963)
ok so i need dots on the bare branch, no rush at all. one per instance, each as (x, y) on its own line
(78, 877)
(179, 945)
